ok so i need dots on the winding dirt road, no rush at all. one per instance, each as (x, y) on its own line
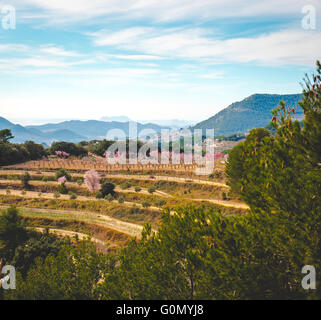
(131, 229)
(72, 234)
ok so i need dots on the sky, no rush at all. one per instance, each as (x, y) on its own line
(148, 59)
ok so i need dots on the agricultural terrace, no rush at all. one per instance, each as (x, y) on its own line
(67, 197)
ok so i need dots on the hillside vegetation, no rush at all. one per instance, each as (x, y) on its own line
(252, 112)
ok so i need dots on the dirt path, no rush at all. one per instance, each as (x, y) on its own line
(131, 229)
(169, 178)
(71, 234)
(223, 203)
(144, 191)
(48, 195)
(34, 194)
(131, 177)
(117, 188)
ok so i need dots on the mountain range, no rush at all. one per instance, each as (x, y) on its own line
(252, 112)
(22, 134)
(172, 123)
(72, 131)
(239, 117)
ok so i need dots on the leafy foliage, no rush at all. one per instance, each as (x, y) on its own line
(68, 147)
(107, 188)
(75, 273)
(25, 178)
(63, 173)
(62, 189)
(12, 233)
(11, 153)
(5, 135)
(38, 246)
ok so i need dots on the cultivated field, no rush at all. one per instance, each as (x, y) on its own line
(141, 193)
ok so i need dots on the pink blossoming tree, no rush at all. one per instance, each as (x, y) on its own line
(92, 181)
(62, 154)
(62, 180)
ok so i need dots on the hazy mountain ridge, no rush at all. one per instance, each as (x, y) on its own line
(94, 129)
(173, 123)
(252, 112)
(20, 133)
(71, 131)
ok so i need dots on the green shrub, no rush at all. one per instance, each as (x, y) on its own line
(109, 198)
(160, 203)
(99, 195)
(72, 196)
(138, 189)
(151, 190)
(62, 173)
(160, 184)
(121, 200)
(56, 195)
(62, 189)
(146, 204)
(25, 178)
(125, 185)
(107, 188)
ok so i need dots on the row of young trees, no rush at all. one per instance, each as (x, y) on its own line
(201, 254)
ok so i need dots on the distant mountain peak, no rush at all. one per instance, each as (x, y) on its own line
(252, 112)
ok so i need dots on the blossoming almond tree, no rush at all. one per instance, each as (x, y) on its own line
(62, 154)
(91, 179)
(62, 180)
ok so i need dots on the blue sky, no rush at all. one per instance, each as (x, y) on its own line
(150, 59)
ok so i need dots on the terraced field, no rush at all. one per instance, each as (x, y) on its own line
(138, 199)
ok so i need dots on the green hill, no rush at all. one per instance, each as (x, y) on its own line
(252, 112)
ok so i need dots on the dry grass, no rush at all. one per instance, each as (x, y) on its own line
(111, 238)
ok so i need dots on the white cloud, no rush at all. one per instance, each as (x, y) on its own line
(212, 75)
(55, 51)
(11, 47)
(59, 11)
(133, 57)
(35, 63)
(284, 47)
(43, 56)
